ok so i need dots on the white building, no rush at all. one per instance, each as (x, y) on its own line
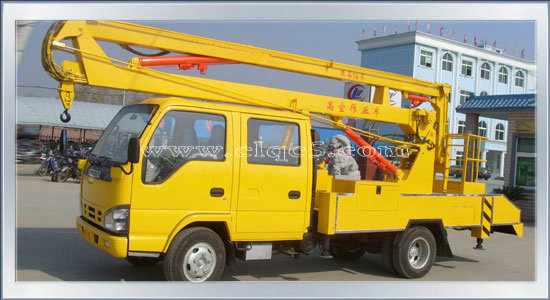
(469, 69)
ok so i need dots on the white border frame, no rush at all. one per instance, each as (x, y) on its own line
(341, 11)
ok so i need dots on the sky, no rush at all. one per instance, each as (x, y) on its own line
(325, 40)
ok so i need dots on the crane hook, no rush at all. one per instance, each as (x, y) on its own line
(65, 116)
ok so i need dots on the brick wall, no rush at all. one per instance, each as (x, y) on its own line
(527, 208)
(470, 125)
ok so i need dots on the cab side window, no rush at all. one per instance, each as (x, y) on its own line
(273, 143)
(182, 136)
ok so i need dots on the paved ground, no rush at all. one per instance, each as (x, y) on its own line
(50, 248)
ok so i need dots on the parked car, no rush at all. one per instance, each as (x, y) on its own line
(483, 173)
(455, 173)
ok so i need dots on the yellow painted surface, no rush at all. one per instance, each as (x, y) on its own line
(256, 205)
(264, 205)
(117, 246)
(327, 212)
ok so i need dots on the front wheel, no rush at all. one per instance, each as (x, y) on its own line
(195, 254)
(414, 254)
(43, 170)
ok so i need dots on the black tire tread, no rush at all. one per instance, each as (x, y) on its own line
(387, 255)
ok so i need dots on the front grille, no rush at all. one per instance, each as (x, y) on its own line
(91, 213)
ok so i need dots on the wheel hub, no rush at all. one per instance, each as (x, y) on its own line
(199, 262)
(418, 253)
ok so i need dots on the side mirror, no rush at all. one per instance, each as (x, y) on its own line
(63, 140)
(133, 150)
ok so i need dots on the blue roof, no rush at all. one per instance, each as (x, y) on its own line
(498, 102)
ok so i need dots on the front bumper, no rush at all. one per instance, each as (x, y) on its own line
(115, 245)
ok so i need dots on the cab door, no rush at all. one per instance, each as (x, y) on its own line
(185, 173)
(273, 181)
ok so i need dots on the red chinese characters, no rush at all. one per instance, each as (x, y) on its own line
(342, 106)
(353, 108)
(330, 106)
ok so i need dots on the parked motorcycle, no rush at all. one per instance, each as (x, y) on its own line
(48, 164)
(69, 169)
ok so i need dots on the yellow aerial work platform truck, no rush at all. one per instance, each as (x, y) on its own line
(196, 184)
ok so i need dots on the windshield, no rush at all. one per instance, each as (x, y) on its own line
(129, 122)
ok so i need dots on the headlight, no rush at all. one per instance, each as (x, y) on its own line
(116, 219)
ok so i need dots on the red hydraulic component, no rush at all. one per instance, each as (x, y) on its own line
(184, 62)
(417, 99)
(374, 157)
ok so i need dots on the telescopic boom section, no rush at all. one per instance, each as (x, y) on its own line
(92, 66)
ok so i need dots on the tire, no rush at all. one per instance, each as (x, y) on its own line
(414, 254)
(349, 249)
(143, 261)
(190, 245)
(63, 176)
(43, 170)
(387, 255)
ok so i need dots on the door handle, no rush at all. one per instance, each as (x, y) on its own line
(217, 192)
(294, 195)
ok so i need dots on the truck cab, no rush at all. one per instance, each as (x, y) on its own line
(243, 172)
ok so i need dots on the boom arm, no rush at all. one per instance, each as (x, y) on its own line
(94, 67)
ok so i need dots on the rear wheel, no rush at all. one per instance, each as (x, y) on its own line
(349, 249)
(195, 254)
(387, 255)
(414, 254)
(143, 261)
(63, 176)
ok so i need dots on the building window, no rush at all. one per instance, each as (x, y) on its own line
(447, 64)
(461, 126)
(484, 93)
(426, 58)
(485, 71)
(464, 96)
(520, 78)
(466, 68)
(459, 158)
(482, 128)
(525, 162)
(503, 75)
(499, 132)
